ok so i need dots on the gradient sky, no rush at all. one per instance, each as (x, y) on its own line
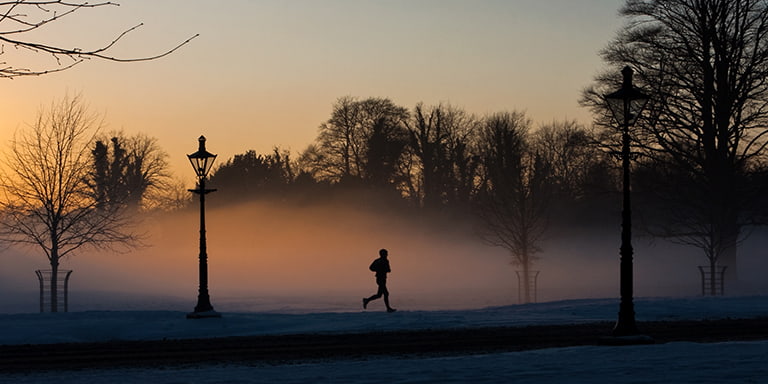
(266, 73)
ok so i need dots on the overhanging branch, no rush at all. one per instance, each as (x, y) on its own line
(21, 16)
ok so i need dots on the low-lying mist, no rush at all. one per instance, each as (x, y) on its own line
(265, 256)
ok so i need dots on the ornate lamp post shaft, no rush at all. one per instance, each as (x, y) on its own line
(626, 104)
(203, 300)
(626, 322)
(202, 161)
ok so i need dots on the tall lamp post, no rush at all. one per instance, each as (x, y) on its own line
(626, 105)
(202, 161)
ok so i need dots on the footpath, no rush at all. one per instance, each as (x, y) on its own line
(287, 349)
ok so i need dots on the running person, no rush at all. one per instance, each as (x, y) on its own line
(381, 267)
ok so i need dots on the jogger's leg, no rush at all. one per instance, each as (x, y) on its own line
(385, 293)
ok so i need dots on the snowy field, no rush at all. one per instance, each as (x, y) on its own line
(736, 362)
(671, 363)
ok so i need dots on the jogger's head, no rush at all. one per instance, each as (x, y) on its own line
(383, 252)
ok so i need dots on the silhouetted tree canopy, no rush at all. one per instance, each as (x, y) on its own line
(582, 173)
(132, 171)
(430, 157)
(341, 150)
(441, 163)
(250, 176)
(704, 63)
(385, 150)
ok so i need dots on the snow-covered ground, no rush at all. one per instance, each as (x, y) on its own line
(743, 362)
(37, 328)
(670, 363)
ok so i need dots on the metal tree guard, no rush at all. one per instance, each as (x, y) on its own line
(712, 280)
(62, 286)
(526, 287)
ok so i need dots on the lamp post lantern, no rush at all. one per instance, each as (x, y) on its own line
(202, 161)
(626, 105)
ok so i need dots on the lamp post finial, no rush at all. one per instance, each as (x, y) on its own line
(627, 73)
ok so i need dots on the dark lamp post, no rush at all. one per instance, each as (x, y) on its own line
(626, 105)
(202, 161)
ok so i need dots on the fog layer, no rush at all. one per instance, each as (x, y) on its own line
(267, 257)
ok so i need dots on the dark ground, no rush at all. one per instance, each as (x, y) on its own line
(283, 349)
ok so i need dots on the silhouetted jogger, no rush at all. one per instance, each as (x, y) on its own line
(381, 267)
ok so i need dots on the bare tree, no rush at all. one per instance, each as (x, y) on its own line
(681, 202)
(568, 147)
(704, 63)
(46, 201)
(342, 145)
(515, 196)
(20, 19)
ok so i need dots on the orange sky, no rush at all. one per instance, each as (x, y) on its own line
(266, 73)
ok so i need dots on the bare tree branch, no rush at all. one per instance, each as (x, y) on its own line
(20, 17)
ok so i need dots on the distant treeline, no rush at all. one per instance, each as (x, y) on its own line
(431, 158)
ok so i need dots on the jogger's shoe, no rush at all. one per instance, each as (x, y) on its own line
(365, 303)
(390, 310)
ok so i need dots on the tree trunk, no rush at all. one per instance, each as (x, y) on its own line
(526, 282)
(54, 285)
(54, 275)
(729, 252)
(525, 261)
(712, 277)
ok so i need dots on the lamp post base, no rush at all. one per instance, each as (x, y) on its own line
(203, 315)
